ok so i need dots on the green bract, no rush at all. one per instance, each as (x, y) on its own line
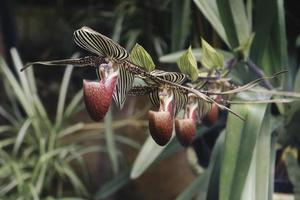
(244, 48)
(188, 65)
(141, 57)
(211, 59)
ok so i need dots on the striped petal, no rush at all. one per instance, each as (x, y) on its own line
(180, 101)
(154, 98)
(99, 44)
(203, 108)
(125, 82)
(173, 77)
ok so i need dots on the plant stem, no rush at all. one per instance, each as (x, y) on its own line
(254, 68)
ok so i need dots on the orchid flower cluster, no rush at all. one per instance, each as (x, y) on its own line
(191, 94)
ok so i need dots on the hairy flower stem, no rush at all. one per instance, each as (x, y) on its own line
(254, 68)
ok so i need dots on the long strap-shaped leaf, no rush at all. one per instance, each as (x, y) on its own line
(99, 44)
(125, 81)
(78, 62)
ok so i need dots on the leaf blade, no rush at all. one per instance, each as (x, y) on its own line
(141, 57)
(188, 65)
(239, 146)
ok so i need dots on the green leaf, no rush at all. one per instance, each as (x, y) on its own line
(260, 178)
(181, 22)
(241, 138)
(6, 142)
(114, 185)
(8, 187)
(203, 183)
(293, 169)
(74, 179)
(264, 19)
(22, 76)
(17, 88)
(264, 149)
(269, 48)
(20, 136)
(147, 155)
(71, 129)
(211, 59)
(188, 65)
(63, 93)
(173, 57)
(34, 193)
(295, 106)
(5, 128)
(234, 18)
(226, 17)
(210, 10)
(280, 34)
(244, 48)
(249, 7)
(74, 104)
(241, 21)
(190, 191)
(110, 141)
(214, 176)
(7, 115)
(140, 57)
(78, 153)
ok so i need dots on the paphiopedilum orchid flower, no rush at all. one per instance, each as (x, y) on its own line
(117, 71)
(161, 121)
(98, 94)
(186, 127)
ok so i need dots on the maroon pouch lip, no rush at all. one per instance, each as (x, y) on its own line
(210, 118)
(185, 131)
(160, 126)
(97, 98)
